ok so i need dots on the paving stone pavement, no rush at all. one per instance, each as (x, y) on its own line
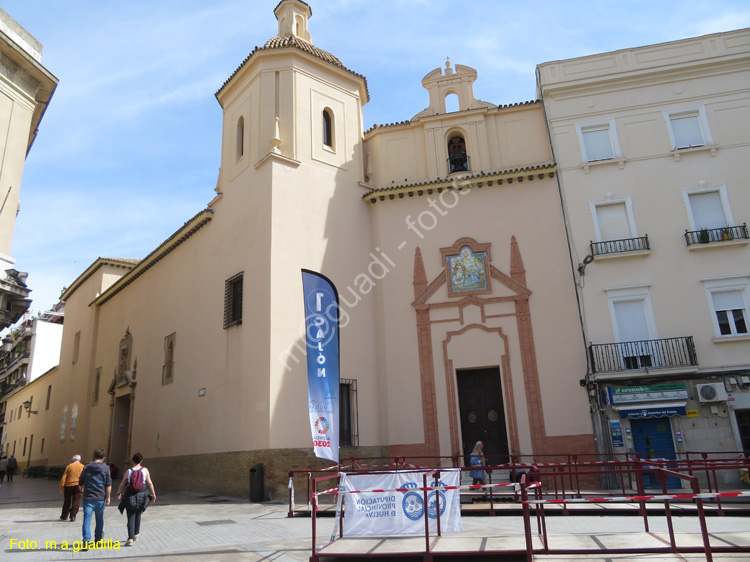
(189, 526)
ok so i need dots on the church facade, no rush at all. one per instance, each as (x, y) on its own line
(444, 235)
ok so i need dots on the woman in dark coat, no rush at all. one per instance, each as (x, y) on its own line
(133, 501)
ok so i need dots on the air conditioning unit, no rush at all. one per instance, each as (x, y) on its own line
(712, 392)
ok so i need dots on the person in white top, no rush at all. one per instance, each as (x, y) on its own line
(135, 492)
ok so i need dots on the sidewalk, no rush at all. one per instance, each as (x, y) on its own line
(192, 527)
(181, 525)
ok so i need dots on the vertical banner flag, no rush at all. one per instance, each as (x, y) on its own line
(322, 338)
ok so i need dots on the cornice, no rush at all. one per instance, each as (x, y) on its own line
(92, 269)
(46, 80)
(461, 183)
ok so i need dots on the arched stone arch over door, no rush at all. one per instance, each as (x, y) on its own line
(493, 405)
(475, 300)
(122, 403)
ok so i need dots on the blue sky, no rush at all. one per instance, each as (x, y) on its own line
(129, 147)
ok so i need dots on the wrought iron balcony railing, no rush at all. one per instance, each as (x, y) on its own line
(12, 363)
(642, 355)
(708, 235)
(619, 246)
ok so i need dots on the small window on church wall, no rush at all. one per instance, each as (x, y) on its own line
(167, 376)
(97, 382)
(240, 137)
(76, 346)
(458, 160)
(328, 127)
(451, 103)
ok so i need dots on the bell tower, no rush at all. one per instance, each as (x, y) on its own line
(290, 190)
(293, 16)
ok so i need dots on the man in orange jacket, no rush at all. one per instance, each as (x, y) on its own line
(69, 487)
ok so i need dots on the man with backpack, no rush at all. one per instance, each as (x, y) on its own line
(96, 482)
(138, 493)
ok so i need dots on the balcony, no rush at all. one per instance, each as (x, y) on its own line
(643, 355)
(620, 246)
(709, 235)
(14, 362)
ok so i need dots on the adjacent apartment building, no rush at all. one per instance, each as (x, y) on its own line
(26, 88)
(650, 144)
(448, 243)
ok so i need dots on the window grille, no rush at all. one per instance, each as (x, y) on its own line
(348, 415)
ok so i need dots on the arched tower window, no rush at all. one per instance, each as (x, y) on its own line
(458, 160)
(240, 137)
(328, 127)
(451, 103)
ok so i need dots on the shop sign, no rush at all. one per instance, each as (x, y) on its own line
(647, 393)
(693, 413)
(633, 413)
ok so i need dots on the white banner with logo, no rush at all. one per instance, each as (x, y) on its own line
(400, 513)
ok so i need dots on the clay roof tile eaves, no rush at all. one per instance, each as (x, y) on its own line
(130, 261)
(479, 175)
(293, 42)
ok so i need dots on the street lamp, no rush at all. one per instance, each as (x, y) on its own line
(27, 407)
(7, 344)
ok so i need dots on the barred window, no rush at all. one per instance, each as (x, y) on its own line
(348, 415)
(233, 301)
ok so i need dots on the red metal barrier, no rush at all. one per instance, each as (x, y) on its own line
(563, 479)
(533, 499)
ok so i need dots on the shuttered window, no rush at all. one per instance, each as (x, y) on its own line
(631, 320)
(731, 315)
(707, 210)
(598, 143)
(613, 222)
(686, 130)
(233, 301)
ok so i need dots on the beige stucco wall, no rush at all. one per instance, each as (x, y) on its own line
(25, 90)
(16, 109)
(29, 427)
(496, 139)
(489, 215)
(511, 138)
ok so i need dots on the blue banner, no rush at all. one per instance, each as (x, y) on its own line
(322, 338)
